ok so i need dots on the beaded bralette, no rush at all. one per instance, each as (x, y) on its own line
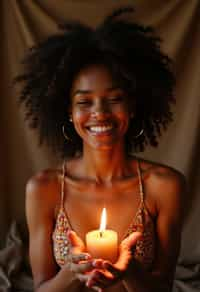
(142, 221)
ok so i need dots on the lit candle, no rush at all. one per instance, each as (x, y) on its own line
(103, 243)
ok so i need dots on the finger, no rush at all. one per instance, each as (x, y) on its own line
(131, 240)
(113, 269)
(125, 255)
(98, 263)
(102, 275)
(74, 240)
(125, 250)
(76, 258)
(82, 277)
(90, 283)
(81, 267)
(97, 288)
(100, 278)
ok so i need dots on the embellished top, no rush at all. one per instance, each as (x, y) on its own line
(144, 249)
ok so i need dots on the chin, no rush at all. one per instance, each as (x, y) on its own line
(104, 146)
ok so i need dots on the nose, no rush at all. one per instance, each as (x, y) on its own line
(100, 109)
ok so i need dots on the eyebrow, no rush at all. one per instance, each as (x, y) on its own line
(81, 91)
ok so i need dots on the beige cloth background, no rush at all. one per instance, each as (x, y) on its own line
(25, 22)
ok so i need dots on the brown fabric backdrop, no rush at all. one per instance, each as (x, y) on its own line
(25, 22)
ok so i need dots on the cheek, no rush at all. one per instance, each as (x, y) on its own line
(79, 115)
(122, 114)
(79, 118)
(123, 119)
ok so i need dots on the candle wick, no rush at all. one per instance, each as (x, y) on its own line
(101, 233)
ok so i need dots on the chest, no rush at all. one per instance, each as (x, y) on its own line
(84, 209)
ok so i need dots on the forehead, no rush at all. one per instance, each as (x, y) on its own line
(93, 78)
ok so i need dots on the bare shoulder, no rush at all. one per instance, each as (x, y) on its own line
(42, 189)
(42, 179)
(166, 184)
(162, 174)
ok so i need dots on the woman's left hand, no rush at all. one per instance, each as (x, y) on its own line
(105, 273)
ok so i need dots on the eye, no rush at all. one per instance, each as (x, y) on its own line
(116, 99)
(83, 102)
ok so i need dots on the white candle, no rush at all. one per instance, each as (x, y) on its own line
(103, 243)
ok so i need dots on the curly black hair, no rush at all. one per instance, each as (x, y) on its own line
(133, 55)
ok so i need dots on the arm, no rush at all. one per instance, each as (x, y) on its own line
(41, 195)
(169, 191)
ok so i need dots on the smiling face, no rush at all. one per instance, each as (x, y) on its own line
(99, 108)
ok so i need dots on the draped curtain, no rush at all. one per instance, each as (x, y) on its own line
(177, 22)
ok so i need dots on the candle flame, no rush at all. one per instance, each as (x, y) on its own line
(103, 220)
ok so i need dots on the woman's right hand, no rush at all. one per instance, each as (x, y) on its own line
(78, 261)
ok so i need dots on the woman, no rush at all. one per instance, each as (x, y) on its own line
(97, 96)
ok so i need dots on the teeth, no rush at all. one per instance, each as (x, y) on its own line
(99, 129)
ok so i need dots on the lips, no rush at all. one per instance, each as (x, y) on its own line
(100, 129)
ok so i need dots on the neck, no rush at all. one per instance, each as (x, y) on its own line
(104, 166)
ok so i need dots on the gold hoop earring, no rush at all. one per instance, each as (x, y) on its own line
(138, 135)
(141, 131)
(65, 135)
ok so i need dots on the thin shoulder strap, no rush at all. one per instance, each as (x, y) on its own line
(63, 185)
(140, 211)
(63, 194)
(141, 188)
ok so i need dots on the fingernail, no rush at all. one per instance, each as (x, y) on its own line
(87, 257)
(94, 262)
(106, 265)
(89, 283)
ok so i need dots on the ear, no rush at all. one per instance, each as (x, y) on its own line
(70, 113)
(130, 109)
(131, 114)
